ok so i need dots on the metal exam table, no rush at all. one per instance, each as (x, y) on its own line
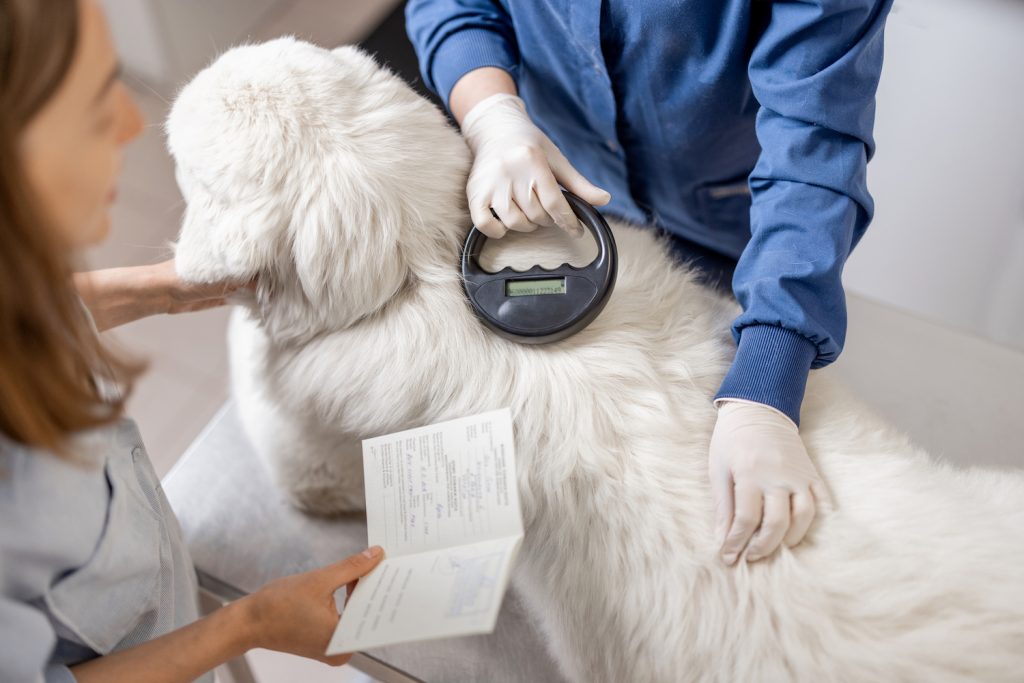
(243, 533)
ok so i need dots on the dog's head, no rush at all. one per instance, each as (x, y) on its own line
(318, 173)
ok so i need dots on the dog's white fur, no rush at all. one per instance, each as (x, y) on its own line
(328, 179)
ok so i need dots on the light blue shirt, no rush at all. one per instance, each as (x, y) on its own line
(92, 559)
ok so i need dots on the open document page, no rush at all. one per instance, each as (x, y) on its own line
(443, 503)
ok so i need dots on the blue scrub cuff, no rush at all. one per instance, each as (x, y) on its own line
(465, 50)
(771, 367)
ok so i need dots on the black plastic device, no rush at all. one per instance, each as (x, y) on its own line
(538, 306)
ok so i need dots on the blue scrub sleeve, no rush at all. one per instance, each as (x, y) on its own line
(453, 37)
(814, 71)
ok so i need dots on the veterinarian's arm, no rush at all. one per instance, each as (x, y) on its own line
(476, 86)
(814, 70)
(295, 614)
(116, 296)
(454, 37)
(468, 55)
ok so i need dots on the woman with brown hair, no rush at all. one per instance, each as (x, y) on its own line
(96, 581)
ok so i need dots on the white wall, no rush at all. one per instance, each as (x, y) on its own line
(166, 41)
(948, 237)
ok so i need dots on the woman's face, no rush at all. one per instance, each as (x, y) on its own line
(72, 148)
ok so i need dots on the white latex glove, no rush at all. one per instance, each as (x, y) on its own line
(761, 480)
(516, 171)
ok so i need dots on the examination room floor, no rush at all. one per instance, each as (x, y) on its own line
(956, 394)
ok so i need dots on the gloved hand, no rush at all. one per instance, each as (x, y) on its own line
(758, 466)
(516, 171)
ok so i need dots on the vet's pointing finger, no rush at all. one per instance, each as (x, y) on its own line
(773, 526)
(556, 206)
(573, 180)
(802, 514)
(746, 519)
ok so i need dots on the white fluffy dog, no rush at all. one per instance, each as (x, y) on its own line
(342, 191)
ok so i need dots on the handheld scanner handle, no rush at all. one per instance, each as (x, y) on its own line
(605, 262)
(539, 318)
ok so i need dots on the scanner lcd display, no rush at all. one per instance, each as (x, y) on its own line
(535, 287)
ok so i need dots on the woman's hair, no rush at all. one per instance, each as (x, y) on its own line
(53, 368)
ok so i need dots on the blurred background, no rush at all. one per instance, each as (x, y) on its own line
(936, 337)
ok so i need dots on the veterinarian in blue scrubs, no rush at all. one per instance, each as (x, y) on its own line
(742, 128)
(96, 583)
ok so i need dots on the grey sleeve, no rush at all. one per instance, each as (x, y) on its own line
(28, 642)
(55, 673)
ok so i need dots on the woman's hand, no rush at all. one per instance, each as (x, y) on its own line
(117, 296)
(184, 297)
(297, 614)
(764, 485)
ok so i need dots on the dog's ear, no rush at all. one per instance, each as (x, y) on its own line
(218, 241)
(321, 174)
(343, 240)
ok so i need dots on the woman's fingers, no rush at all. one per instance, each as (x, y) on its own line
(802, 516)
(774, 525)
(188, 297)
(747, 517)
(354, 567)
(336, 660)
(349, 587)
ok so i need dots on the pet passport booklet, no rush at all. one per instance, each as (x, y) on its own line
(443, 503)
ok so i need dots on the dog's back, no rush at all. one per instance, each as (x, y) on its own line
(914, 575)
